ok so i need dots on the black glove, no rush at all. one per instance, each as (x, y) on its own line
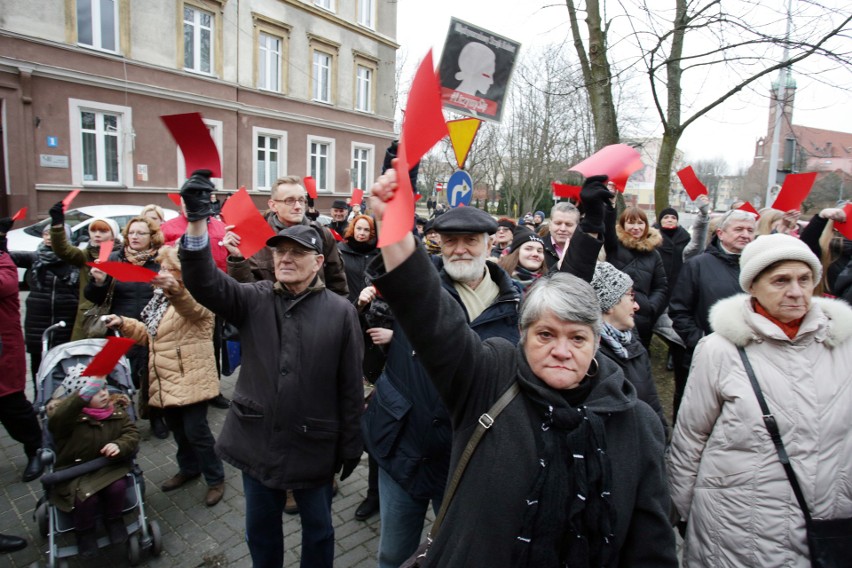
(196, 195)
(594, 196)
(347, 466)
(57, 214)
(6, 225)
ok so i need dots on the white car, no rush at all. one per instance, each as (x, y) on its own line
(28, 238)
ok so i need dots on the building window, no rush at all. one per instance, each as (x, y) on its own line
(326, 4)
(363, 88)
(100, 154)
(362, 166)
(322, 77)
(365, 13)
(97, 24)
(197, 40)
(270, 151)
(269, 62)
(321, 162)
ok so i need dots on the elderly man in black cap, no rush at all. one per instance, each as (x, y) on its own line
(406, 426)
(339, 211)
(293, 421)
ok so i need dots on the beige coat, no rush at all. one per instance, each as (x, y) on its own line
(724, 473)
(182, 367)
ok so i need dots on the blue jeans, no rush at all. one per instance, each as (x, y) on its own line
(265, 527)
(402, 521)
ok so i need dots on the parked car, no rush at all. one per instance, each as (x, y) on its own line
(28, 238)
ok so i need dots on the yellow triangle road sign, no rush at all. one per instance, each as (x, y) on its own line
(462, 133)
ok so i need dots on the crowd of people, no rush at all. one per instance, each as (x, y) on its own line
(497, 370)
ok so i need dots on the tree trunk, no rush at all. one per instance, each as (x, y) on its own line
(663, 181)
(596, 73)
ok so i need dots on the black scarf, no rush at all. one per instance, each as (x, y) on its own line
(47, 260)
(569, 501)
(359, 247)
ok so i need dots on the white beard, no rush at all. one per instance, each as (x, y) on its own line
(464, 272)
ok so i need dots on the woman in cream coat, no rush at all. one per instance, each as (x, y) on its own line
(725, 476)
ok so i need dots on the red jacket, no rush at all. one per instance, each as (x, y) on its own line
(13, 361)
(175, 228)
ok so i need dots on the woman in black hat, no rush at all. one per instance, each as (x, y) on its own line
(525, 261)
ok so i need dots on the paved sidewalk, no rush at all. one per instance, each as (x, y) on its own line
(194, 535)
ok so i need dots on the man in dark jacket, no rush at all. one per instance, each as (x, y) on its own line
(406, 427)
(564, 218)
(703, 281)
(339, 210)
(287, 208)
(293, 421)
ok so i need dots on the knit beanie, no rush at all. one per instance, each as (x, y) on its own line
(610, 285)
(668, 211)
(769, 249)
(524, 236)
(92, 387)
(540, 214)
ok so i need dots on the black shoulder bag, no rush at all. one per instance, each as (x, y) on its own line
(829, 540)
(485, 422)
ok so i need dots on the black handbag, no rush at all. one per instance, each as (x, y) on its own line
(92, 324)
(829, 540)
(485, 422)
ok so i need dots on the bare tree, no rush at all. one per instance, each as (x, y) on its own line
(710, 172)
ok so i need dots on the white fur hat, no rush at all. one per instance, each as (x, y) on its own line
(769, 249)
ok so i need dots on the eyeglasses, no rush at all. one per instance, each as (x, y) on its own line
(632, 295)
(294, 252)
(136, 234)
(291, 201)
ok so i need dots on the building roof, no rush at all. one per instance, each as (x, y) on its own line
(823, 143)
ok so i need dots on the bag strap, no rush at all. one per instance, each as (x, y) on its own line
(486, 421)
(772, 427)
(108, 299)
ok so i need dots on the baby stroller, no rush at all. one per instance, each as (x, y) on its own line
(59, 375)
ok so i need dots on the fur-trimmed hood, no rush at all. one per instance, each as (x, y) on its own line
(647, 244)
(828, 320)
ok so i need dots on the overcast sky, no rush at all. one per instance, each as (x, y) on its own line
(730, 131)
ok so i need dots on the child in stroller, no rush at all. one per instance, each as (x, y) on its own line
(85, 425)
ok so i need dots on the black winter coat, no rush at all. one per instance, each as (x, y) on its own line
(128, 298)
(355, 264)
(406, 427)
(294, 413)
(810, 236)
(639, 259)
(705, 279)
(671, 252)
(53, 297)
(485, 517)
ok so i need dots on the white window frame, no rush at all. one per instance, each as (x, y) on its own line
(281, 135)
(97, 24)
(364, 88)
(320, 71)
(215, 128)
(325, 5)
(125, 142)
(195, 67)
(330, 173)
(369, 165)
(272, 61)
(367, 13)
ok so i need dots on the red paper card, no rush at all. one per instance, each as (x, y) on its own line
(357, 197)
(422, 127)
(124, 271)
(248, 223)
(845, 227)
(69, 198)
(335, 234)
(617, 161)
(423, 124)
(310, 186)
(418, 197)
(565, 190)
(691, 183)
(107, 358)
(747, 206)
(175, 197)
(22, 212)
(105, 251)
(193, 139)
(795, 189)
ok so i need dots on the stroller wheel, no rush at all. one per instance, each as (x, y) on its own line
(133, 551)
(156, 538)
(42, 519)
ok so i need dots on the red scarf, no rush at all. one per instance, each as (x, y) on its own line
(98, 413)
(790, 329)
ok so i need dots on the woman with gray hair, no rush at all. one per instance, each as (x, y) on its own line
(571, 471)
(727, 479)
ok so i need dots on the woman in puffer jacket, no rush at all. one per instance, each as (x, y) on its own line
(634, 252)
(178, 332)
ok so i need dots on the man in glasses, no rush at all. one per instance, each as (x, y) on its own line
(287, 206)
(294, 418)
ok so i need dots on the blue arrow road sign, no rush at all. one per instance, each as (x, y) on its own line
(459, 189)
